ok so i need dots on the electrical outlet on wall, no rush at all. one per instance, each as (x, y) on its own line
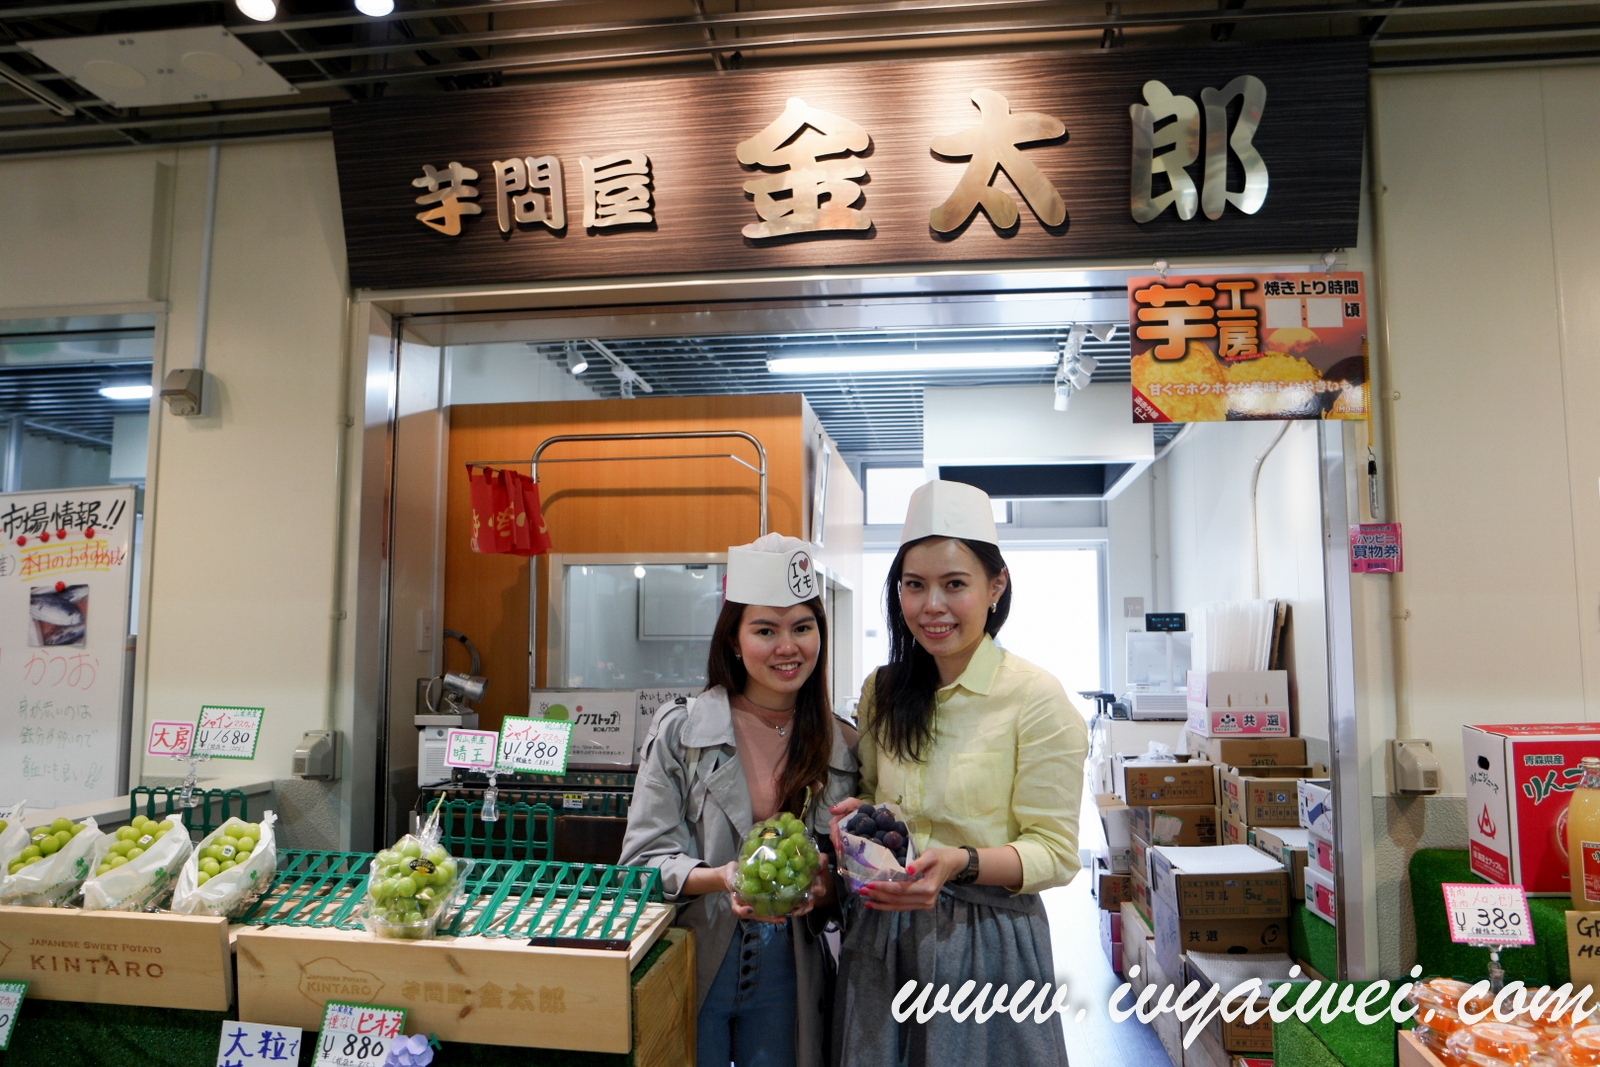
(1133, 607)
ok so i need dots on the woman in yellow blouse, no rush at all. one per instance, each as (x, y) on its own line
(983, 751)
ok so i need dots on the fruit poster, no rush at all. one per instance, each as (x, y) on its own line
(66, 575)
(1238, 347)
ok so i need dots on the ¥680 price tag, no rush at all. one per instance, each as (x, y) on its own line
(357, 1035)
(227, 733)
(11, 994)
(1488, 914)
(534, 746)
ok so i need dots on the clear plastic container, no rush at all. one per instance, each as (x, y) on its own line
(427, 926)
(1438, 1006)
(1493, 1044)
(864, 861)
(777, 863)
(1581, 1048)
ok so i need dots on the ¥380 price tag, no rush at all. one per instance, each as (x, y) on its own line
(227, 733)
(11, 994)
(357, 1035)
(534, 746)
(1488, 914)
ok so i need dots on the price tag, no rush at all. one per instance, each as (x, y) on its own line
(357, 1035)
(534, 746)
(170, 739)
(11, 994)
(473, 749)
(251, 1042)
(227, 733)
(1488, 914)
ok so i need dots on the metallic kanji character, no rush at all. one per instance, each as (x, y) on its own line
(447, 188)
(616, 190)
(820, 191)
(1182, 136)
(1216, 195)
(536, 181)
(993, 145)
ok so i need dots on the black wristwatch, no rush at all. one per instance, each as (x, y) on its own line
(969, 873)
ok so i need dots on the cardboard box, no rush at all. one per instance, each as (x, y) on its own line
(1221, 882)
(1141, 781)
(1140, 851)
(1110, 942)
(1114, 816)
(1314, 806)
(1168, 1028)
(1264, 796)
(1227, 972)
(1175, 936)
(1254, 751)
(1239, 703)
(1519, 779)
(1583, 947)
(1135, 930)
(1188, 825)
(1139, 885)
(1111, 891)
(1322, 896)
(1413, 1053)
(1290, 846)
(1321, 853)
(1230, 831)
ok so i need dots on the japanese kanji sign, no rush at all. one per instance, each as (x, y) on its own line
(1249, 346)
(1126, 152)
(251, 1044)
(227, 733)
(170, 738)
(534, 746)
(357, 1035)
(472, 749)
(1375, 548)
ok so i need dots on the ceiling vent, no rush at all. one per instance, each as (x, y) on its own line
(162, 67)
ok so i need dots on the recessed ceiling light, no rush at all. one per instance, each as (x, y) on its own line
(910, 362)
(127, 392)
(260, 10)
(375, 8)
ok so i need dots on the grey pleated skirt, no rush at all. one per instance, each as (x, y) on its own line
(978, 933)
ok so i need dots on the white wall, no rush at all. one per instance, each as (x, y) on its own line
(514, 373)
(49, 463)
(1130, 569)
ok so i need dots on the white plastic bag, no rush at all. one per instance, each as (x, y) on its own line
(864, 860)
(14, 838)
(235, 889)
(139, 884)
(55, 879)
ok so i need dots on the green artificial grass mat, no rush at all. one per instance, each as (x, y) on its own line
(1542, 963)
(1313, 940)
(1345, 1042)
(55, 1033)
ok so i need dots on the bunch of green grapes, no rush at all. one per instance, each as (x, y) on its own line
(238, 841)
(3, 824)
(133, 841)
(408, 887)
(776, 865)
(45, 841)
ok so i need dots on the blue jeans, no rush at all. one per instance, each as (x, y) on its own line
(748, 1017)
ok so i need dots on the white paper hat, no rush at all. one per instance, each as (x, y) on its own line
(774, 571)
(950, 509)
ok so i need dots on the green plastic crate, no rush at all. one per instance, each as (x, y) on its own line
(313, 889)
(554, 902)
(523, 831)
(213, 802)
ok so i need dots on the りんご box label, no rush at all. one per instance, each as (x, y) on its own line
(1519, 781)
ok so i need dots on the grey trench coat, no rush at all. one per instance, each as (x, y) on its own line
(680, 820)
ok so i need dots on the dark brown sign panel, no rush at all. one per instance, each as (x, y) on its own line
(1016, 157)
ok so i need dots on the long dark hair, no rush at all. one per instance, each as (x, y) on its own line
(902, 699)
(811, 738)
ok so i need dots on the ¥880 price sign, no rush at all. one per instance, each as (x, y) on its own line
(1488, 914)
(357, 1035)
(533, 746)
(227, 733)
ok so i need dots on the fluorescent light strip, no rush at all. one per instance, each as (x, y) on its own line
(911, 362)
(127, 392)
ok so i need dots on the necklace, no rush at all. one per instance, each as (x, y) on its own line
(783, 731)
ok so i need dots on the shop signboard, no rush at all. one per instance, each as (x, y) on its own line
(1242, 347)
(66, 569)
(603, 721)
(1236, 148)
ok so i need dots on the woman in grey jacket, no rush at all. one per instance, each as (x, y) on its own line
(760, 740)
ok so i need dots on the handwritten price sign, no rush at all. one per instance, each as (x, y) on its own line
(11, 994)
(1488, 914)
(357, 1035)
(473, 749)
(170, 739)
(534, 746)
(251, 1041)
(227, 733)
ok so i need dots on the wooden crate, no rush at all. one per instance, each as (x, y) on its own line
(118, 957)
(490, 991)
(665, 1006)
(1413, 1053)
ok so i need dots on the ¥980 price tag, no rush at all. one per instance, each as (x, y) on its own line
(1488, 914)
(357, 1035)
(534, 746)
(11, 994)
(227, 733)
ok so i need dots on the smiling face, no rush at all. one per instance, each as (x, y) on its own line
(945, 596)
(778, 647)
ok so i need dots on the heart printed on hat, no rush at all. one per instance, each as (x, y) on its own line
(802, 583)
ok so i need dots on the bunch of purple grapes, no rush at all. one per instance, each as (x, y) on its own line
(879, 824)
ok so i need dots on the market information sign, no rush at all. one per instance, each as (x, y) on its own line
(1223, 348)
(472, 749)
(533, 746)
(1482, 914)
(227, 733)
(1375, 548)
(11, 994)
(357, 1035)
(1232, 148)
(247, 1044)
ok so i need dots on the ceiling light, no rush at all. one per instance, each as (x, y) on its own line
(1103, 331)
(260, 10)
(909, 362)
(638, 571)
(127, 392)
(577, 362)
(375, 8)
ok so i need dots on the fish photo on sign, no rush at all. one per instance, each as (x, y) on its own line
(58, 615)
